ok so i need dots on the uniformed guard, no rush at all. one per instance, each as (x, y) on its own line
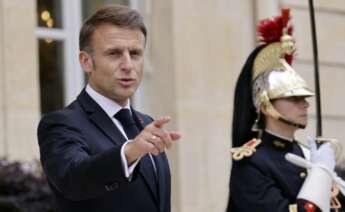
(270, 105)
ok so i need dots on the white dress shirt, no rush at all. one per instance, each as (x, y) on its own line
(111, 108)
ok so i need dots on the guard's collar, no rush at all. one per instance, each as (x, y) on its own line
(276, 141)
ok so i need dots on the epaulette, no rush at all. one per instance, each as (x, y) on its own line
(246, 150)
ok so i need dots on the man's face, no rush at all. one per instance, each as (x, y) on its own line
(294, 108)
(115, 66)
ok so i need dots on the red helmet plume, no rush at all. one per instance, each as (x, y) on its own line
(270, 30)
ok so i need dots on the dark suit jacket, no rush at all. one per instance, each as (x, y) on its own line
(80, 154)
(266, 181)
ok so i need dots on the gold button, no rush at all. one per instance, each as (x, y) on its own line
(279, 144)
(302, 174)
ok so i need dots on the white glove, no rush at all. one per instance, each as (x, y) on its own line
(317, 186)
(323, 156)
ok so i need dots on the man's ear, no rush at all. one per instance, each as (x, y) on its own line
(263, 109)
(86, 62)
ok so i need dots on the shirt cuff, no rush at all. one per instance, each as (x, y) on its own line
(128, 170)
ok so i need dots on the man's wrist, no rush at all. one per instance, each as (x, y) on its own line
(130, 153)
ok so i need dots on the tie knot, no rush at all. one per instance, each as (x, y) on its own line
(124, 116)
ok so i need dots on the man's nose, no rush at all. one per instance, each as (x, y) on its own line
(126, 61)
(306, 103)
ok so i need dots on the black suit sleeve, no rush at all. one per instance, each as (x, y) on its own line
(67, 161)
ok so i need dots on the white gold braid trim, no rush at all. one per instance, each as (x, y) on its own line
(246, 150)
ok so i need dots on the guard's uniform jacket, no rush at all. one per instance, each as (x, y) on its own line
(265, 181)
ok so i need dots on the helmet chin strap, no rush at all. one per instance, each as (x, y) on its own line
(290, 122)
(276, 115)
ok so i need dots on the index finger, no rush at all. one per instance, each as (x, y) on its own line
(161, 121)
(175, 136)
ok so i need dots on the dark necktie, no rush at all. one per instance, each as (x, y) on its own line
(124, 116)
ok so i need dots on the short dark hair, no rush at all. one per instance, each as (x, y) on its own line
(118, 15)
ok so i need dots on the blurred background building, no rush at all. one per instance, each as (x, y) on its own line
(195, 52)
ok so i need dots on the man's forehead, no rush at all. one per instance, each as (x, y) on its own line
(112, 35)
(122, 32)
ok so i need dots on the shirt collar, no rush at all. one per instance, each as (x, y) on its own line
(109, 106)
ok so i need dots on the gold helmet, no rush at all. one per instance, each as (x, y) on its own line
(273, 77)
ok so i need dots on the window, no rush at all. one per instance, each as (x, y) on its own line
(61, 78)
(51, 74)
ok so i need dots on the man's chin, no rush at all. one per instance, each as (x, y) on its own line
(303, 123)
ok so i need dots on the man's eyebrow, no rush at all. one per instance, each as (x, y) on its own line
(130, 48)
(137, 49)
(112, 49)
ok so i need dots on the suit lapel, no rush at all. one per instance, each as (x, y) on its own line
(162, 189)
(105, 124)
(100, 118)
(144, 172)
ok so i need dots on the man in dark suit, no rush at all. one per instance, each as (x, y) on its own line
(98, 153)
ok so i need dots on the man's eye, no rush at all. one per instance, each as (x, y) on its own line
(135, 53)
(115, 53)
